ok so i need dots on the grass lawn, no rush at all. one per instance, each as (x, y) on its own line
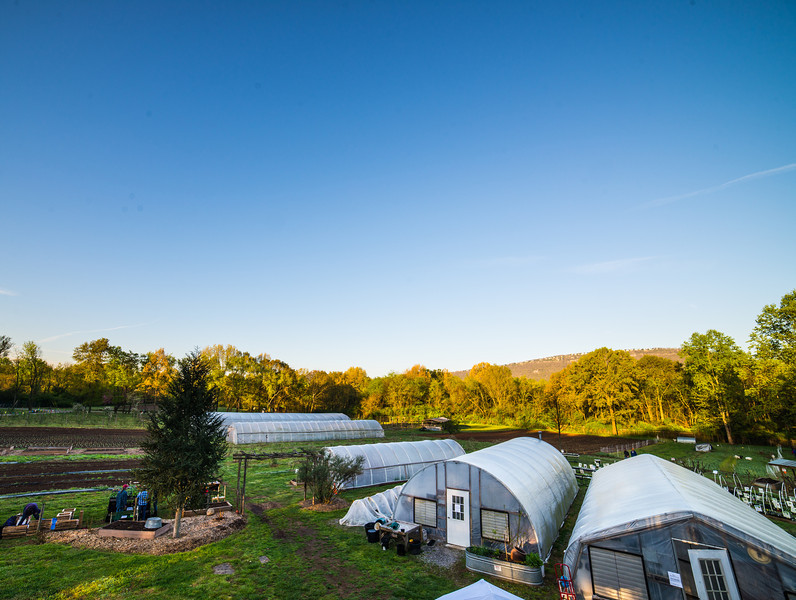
(309, 554)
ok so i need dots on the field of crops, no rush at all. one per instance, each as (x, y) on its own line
(26, 437)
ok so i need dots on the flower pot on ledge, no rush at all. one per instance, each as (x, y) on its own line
(502, 569)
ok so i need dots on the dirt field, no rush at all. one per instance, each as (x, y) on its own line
(70, 436)
(580, 444)
(16, 478)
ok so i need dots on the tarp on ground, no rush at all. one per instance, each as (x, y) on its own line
(480, 590)
(367, 510)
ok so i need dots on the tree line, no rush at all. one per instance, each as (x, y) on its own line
(718, 390)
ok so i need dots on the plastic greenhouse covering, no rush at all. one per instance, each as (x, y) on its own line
(243, 417)
(367, 510)
(396, 461)
(255, 432)
(646, 492)
(538, 476)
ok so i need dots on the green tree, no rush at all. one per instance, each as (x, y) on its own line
(605, 383)
(156, 371)
(711, 368)
(32, 370)
(186, 441)
(774, 336)
(658, 380)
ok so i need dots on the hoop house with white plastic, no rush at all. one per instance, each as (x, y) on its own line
(649, 528)
(517, 493)
(396, 461)
(244, 417)
(257, 432)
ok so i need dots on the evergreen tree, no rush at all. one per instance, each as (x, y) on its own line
(186, 442)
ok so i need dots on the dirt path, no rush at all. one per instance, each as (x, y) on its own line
(347, 581)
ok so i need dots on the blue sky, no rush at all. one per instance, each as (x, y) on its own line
(382, 184)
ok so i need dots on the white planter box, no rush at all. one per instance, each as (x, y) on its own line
(502, 569)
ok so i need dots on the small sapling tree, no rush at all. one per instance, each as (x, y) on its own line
(186, 441)
(326, 473)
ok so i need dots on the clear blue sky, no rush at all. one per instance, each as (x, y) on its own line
(381, 184)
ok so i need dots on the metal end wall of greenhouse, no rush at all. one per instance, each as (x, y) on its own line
(396, 461)
(649, 528)
(516, 492)
(242, 417)
(260, 432)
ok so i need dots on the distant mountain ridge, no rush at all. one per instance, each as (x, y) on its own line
(543, 368)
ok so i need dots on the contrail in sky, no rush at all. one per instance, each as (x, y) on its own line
(7, 293)
(726, 184)
(63, 335)
(612, 266)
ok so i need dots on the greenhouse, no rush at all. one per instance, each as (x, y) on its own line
(395, 461)
(243, 417)
(649, 528)
(517, 493)
(258, 432)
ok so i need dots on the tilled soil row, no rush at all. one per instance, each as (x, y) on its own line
(71, 436)
(17, 478)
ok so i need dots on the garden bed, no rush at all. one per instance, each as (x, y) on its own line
(503, 569)
(215, 507)
(132, 529)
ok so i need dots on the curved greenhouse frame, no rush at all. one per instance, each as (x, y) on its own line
(244, 417)
(258, 432)
(518, 491)
(395, 461)
(654, 518)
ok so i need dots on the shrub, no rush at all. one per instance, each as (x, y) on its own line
(533, 560)
(325, 473)
(452, 426)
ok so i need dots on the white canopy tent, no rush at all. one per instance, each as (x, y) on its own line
(480, 590)
(395, 461)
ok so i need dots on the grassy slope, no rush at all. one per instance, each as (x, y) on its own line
(310, 556)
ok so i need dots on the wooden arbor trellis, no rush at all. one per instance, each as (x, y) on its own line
(243, 459)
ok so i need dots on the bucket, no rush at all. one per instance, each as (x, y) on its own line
(373, 536)
(400, 549)
(369, 526)
(414, 546)
(153, 523)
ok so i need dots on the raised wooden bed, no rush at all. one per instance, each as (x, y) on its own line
(133, 529)
(510, 571)
(216, 507)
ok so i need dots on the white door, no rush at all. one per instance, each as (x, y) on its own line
(713, 575)
(458, 517)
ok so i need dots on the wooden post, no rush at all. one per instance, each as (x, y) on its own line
(237, 490)
(41, 516)
(243, 491)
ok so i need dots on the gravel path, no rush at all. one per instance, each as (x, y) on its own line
(441, 555)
